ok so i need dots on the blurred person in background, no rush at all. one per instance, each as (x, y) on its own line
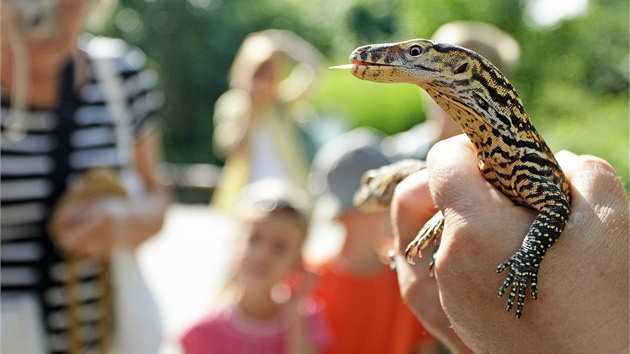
(265, 305)
(358, 290)
(256, 120)
(56, 124)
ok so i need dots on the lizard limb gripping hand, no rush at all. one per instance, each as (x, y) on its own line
(512, 156)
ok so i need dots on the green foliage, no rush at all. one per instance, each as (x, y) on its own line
(367, 103)
(573, 78)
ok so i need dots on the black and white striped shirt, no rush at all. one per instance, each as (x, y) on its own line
(80, 134)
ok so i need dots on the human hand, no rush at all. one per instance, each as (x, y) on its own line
(301, 312)
(91, 214)
(91, 228)
(483, 228)
(297, 289)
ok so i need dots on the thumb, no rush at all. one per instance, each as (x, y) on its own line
(455, 181)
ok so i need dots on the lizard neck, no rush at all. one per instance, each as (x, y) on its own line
(495, 121)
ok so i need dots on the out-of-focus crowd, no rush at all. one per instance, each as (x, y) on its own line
(81, 191)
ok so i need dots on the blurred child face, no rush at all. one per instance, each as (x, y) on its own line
(263, 88)
(370, 225)
(272, 250)
(264, 84)
(373, 228)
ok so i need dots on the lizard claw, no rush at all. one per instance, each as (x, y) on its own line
(517, 278)
(432, 230)
(412, 250)
(432, 261)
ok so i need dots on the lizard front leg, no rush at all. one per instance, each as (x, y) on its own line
(432, 230)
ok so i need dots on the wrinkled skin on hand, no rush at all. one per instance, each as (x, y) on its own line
(483, 227)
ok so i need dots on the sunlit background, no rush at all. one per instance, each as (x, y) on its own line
(572, 76)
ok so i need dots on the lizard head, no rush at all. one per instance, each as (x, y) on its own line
(462, 82)
(417, 61)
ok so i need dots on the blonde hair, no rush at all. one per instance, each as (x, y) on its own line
(256, 50)
(271, 47)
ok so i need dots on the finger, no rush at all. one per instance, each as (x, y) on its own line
(74, 241)
(305, 283)
(411, 207)
(597, 196)
(455, 180)
(87, 239)
(592, 178)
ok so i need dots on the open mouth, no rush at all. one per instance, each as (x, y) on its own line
(363, 63)
(355, 63)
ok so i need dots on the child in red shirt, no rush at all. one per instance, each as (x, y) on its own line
(359, 293)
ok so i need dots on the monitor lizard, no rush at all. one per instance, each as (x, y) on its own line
(511, 155)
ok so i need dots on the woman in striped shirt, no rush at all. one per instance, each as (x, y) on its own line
(56, 124)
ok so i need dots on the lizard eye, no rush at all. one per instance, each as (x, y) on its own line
(415, 51)
(460, 69)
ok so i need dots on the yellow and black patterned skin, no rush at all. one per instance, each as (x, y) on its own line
(512, 156)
